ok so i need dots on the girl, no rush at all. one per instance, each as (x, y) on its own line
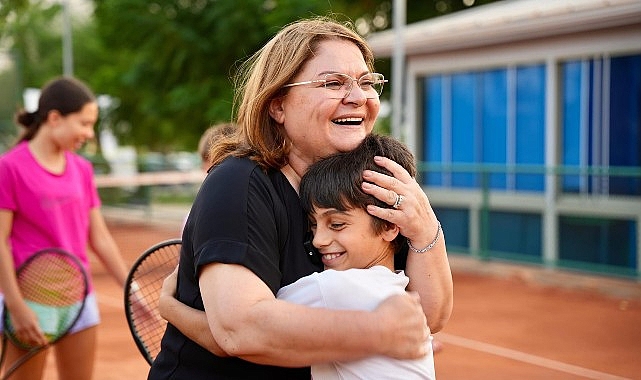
(48, 198)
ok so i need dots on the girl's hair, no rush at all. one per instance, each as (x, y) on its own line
(335, 181)
(261, 79)
(64, 94)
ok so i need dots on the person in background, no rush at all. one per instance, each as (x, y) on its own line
(205, 143)
(208, 138)
(310, 92)
(48, 198)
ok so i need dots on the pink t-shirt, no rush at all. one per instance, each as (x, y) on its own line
(49, 210)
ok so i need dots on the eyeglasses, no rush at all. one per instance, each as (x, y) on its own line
(341, 84)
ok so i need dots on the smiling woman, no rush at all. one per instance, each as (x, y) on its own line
(297, 103)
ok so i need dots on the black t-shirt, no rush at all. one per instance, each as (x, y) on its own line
(243, 216)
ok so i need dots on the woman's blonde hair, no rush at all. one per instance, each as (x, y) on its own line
(261, 79)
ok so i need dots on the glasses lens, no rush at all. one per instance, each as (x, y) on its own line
(372, 84)
(341, 84)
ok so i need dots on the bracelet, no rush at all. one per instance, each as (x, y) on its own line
(429, 246)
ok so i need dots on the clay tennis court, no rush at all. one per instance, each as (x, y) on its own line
(508, 322)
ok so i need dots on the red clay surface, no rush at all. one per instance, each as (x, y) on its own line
(501, 328)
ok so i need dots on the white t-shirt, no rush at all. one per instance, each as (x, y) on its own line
(358, 289)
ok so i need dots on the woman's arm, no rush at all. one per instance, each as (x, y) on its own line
(429, 272)
(247, 321)
(23, 318)
(191, 322)
(105, 248)
(250, 323)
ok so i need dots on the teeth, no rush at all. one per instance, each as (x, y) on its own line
(331, 256)
(349, 120)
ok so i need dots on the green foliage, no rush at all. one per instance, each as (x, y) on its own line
(169, 63)
(27, 30)
(32, 52)
(175, 60)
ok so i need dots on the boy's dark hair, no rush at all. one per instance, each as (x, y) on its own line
(335, 181)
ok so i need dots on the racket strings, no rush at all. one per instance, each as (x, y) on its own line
(54, 286)
(146, 282)
(52, 280)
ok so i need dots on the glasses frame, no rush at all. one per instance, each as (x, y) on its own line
(349, 89)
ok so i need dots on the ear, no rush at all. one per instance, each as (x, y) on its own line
(276, 110)
(390, 232)
(53, 117)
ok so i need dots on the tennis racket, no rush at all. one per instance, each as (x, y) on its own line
(54, 285)
(142, 291)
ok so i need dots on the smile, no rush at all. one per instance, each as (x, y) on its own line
(331, 256)
(348, 121)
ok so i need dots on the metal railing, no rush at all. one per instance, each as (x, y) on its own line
(482, 184)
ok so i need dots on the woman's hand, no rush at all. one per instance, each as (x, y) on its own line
(402, 316)
(414, 215)
(428, 268)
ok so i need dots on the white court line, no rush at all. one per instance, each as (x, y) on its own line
(526, 358)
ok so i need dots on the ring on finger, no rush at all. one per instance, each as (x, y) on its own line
(399, 200)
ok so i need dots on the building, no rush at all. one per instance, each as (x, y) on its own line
(526, 118)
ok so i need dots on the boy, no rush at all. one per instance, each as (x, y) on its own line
(357, 251)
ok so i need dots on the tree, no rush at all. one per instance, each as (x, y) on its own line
(171, 62)
(31, 50)
(168, 63)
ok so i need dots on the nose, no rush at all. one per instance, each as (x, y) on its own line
(355, 94)
(321, 238)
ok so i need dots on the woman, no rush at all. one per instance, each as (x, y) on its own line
(309, 92)
(48, 199)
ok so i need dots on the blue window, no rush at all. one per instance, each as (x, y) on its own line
(515, 234)
(494, 118)
(494, 123)
(530, 124)
(464, 126)
(598, 241)
(456, 222)
(601, 121)
(625, 121)
(434, 135)
(571, 135)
